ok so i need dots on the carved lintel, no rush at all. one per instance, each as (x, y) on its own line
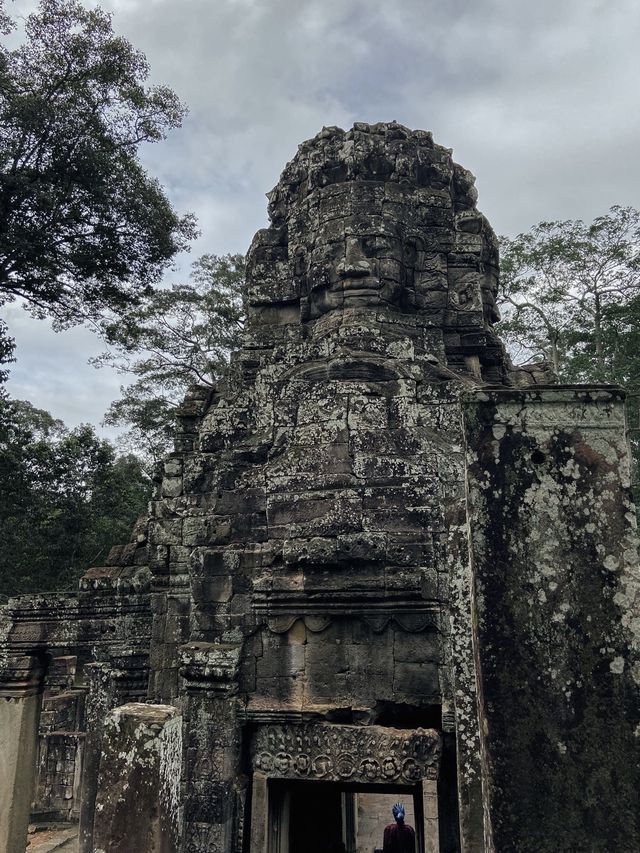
(210, 667)
(337, 604)
(597, 406)
(337, 753)
(258, 713)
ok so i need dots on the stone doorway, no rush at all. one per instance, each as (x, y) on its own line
(317, 817)
(316, 785)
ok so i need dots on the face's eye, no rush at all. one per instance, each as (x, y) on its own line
(410, 253)
(369, 247)
(327, 252)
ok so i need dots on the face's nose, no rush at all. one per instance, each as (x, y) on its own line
(354, 264)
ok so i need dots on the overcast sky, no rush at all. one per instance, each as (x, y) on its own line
(538, 99)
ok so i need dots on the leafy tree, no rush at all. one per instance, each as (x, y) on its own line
(83, 227)
(571, 295)
(6, 24)
(568, 291)
(7, 347)
(174, 338)
(66, 499)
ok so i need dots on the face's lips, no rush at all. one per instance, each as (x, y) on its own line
(361, 284)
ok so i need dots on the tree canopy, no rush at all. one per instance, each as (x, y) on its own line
(176, 337)
(83, 227)
(571, 296)
(66, 499)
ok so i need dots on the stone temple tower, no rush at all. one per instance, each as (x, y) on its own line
(381, 564)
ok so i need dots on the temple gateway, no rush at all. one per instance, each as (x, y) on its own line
(382, 565)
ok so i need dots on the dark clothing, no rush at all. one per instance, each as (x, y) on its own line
(399, 838)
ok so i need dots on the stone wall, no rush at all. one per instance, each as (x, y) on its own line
(306, 559)
(556, 605)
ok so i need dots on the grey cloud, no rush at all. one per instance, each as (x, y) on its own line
(537, 99)
(52, 371)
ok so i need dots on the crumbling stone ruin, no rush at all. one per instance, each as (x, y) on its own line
(381, 564)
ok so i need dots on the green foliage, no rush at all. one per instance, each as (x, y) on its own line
(174, 338)
(569, 293)
(7, 347)
(571, 296)
(6, 24)
(83, 227)
(66, 499)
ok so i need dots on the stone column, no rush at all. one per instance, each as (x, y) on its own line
(556, 617)
(100, 699)
(111, 683)
(213, 815)
(20, 699)
(465, 725)
(138, 792)
(430, 816)
(259, 813)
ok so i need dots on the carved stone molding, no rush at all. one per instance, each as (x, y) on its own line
(559, 406)
(351, 754)
(21, 676)
(412, 622)
(210, 667)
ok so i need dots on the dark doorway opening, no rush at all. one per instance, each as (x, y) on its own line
(329, 817)
(315, 822)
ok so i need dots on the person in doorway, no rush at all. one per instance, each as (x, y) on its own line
(399, 837)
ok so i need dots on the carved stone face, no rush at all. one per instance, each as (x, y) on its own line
(360, 255)
(378, 217)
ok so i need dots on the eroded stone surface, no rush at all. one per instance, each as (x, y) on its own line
(557, 598)
(347, 754)
(137, 804)
(305, 566)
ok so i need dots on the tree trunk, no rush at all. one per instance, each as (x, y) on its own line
(555, 353)
(597, 334)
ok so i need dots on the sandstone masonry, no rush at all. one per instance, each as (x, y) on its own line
(380, 559)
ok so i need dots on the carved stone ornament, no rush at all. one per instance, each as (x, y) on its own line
(413, 623)
(336, 753)
(209, 666)
(205, 838)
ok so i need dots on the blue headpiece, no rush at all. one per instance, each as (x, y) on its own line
(398, 811)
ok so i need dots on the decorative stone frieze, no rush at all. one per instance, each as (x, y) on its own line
(335, 753)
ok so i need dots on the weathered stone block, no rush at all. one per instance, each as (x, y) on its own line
(137, 803)
(416, 679)
(417, 648)
(281, 660)
(556, 603)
